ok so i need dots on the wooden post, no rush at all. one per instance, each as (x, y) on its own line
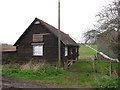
(71, 62)
(59, 52)
(110, 69)
(116, 73)
(65, 65)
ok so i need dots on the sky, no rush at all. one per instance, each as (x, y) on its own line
(77, 16)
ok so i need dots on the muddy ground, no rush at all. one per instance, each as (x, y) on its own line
(10, 84)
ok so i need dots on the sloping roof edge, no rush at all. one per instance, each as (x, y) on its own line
(65, 38)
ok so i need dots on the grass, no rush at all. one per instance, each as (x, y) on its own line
(80, 74)
(86, 52)
(101, 67)
(99, 79)
(49, 75)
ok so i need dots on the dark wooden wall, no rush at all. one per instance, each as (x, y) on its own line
(50, 46)
(25, 49)
(9, 57)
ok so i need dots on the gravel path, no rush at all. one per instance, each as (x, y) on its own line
(9, 83)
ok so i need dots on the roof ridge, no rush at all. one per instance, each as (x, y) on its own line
(66, 40)
(52, 26)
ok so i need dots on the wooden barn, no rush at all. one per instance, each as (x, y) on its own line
(39, 42)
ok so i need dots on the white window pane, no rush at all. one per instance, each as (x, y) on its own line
(38, 50)
(76, 49)
(66, 51)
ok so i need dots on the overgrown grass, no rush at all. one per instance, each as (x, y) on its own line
(80, 74)
(48, 71)
(48, 75)
(106, 83)
(97, 79)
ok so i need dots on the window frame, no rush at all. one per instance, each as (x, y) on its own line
(40, 52)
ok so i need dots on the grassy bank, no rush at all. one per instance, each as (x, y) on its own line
(78, 75)
(48, 75)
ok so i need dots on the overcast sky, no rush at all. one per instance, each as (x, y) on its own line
(76, 16)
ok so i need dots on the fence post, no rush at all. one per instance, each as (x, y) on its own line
(65, 65)
(110, 69)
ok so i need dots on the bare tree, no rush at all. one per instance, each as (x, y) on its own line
(91, 36)
(108, 20)
(109, 17)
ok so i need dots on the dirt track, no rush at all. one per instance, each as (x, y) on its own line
(9, 83)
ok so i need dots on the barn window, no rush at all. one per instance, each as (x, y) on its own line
(38, 50)
(66, 51)
(37, 38)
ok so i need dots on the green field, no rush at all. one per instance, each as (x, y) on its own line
(86, 52)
